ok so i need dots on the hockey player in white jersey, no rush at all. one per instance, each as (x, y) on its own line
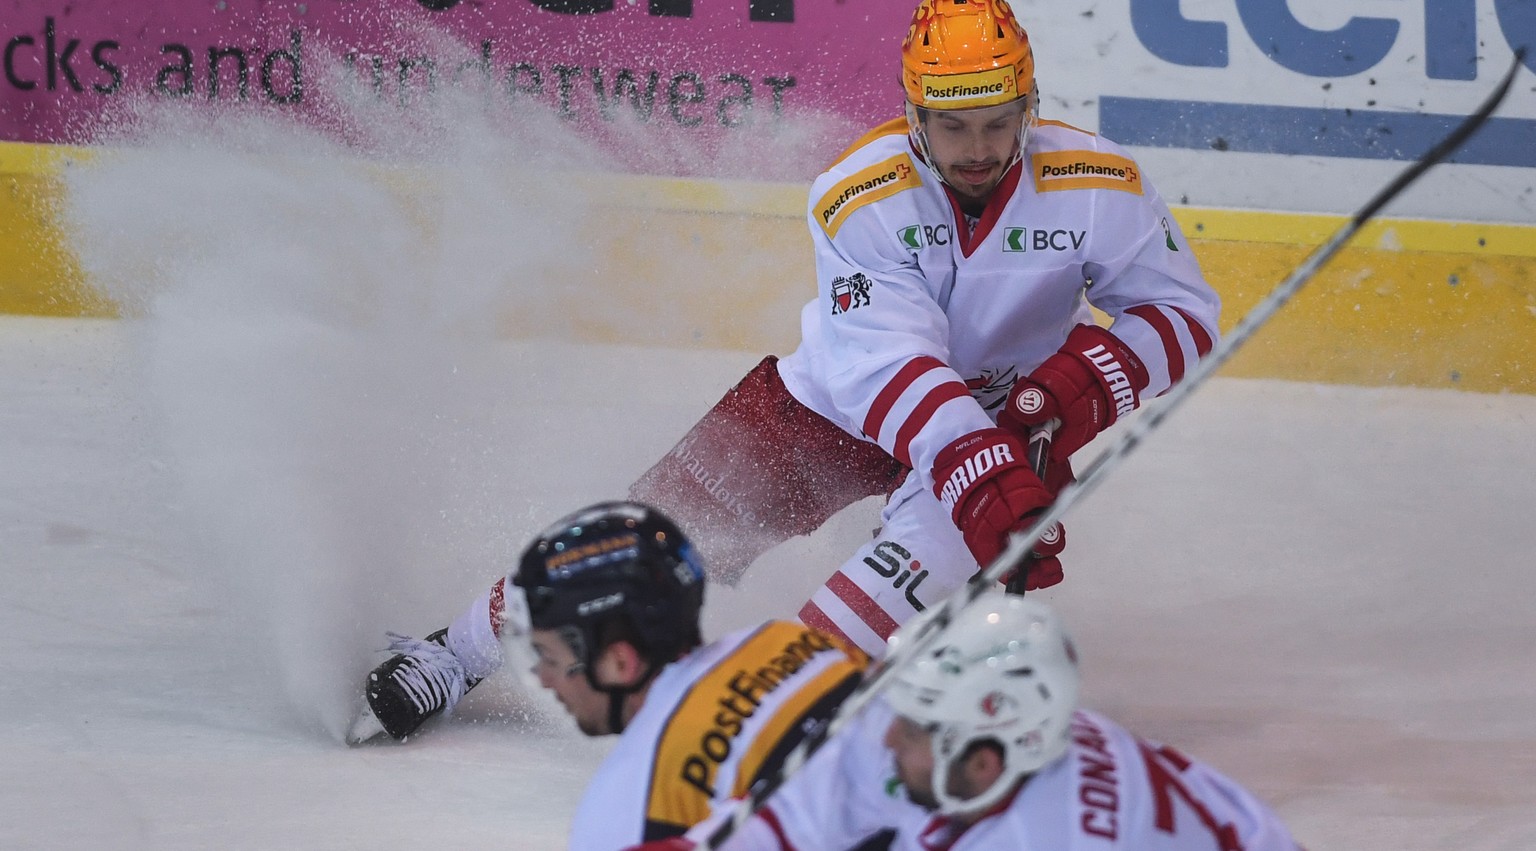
(958, 251)
(609, 598)
(984, 734)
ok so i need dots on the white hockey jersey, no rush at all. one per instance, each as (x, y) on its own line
(1111, 790)
(924, 318)
(712, 724)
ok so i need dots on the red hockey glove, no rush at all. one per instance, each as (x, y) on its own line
(985, 480)
(1044, 566)
(1093, 380)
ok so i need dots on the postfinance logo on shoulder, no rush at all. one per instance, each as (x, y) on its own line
(865, 186)
(1061, 170)
(739, 717)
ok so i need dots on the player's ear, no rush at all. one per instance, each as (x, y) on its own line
(620, 664)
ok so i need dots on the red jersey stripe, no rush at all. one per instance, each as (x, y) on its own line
(886, 399)
(1170, 338)
(771, 819)
(861, 604)
(1197, 331)
(498, 606)
(922, 414)
(970, 239)
(812, 616)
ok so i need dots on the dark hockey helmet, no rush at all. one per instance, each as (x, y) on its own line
(618, 562)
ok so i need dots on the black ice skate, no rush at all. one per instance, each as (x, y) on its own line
(421, 680)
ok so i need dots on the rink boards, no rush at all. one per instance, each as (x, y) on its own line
(1410, 302)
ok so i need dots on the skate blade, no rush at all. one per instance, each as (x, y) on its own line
(365, 728)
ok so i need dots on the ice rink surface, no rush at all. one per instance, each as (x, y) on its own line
(1327, 592)
(311, 429)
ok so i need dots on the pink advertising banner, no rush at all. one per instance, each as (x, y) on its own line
(683, 68)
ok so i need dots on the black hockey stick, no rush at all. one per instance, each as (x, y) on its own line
(1039, 455)
(919, 634)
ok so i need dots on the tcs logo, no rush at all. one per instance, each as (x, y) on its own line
(1450, 43)
(781, 11)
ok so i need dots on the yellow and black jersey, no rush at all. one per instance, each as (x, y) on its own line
(714, 722)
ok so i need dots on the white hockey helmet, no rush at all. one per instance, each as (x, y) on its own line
(1004, 672)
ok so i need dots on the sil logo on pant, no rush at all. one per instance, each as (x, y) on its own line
(916, 559)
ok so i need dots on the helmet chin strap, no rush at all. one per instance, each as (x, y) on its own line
(616, 694)
(579, 644)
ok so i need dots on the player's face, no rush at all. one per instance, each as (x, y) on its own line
(912, 746)
(560, 671)
(971, 148)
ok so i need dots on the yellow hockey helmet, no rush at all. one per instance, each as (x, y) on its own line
(960, 54)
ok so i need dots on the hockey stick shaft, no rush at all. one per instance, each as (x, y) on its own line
(1039, 448)
(1261, 313)
(1038, 454)
(920, 634)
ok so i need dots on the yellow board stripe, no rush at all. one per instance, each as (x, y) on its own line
(865, 186)
(1505, 240)
(1409, 303)
(787, 200)
(27, 158)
